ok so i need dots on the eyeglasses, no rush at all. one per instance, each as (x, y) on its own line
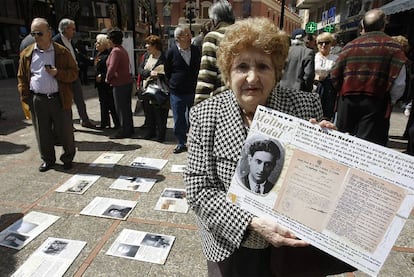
(36, 34)
(324, 42)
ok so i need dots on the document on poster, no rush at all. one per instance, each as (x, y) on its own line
(24, 230)
(178, 168)
(51, 259)
(109, 208)
(78, 183)
(346, 196)
(107, 160)
(130, 183)
(149, 163)
(172, 200)
(142, 246)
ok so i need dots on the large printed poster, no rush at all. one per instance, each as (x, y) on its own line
(344, 195)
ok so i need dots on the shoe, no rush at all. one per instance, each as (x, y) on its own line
(88, 124)
(102, 127)
(149, 136)
(120, 136)
(67, 165)
(180, 149)
(45, 167)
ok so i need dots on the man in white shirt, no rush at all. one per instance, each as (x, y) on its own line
(262, 158)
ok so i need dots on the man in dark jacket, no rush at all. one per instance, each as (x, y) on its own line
(300, 67)
(181, 69)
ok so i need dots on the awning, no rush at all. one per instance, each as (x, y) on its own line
(397, 6)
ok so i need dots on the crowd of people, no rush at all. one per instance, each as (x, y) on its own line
(213, 95)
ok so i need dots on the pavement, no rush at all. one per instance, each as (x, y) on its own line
(23, 189)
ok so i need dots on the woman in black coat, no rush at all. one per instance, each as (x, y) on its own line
(106, 99)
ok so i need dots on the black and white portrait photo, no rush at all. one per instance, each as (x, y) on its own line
(260, 165)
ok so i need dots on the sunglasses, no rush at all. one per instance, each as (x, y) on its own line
(36, 34)
(324, 42)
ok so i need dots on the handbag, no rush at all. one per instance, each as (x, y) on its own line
(156, 91)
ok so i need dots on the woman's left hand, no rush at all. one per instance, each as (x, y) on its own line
(324, 123)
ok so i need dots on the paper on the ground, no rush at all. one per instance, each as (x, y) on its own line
(109, 208)
(133, 183)
(142, 246)
(51, 259)
(178, 168)
(172, 200)
(107, 160)
(149, 163)
(342, 194)
(24, 230)
(78, 183)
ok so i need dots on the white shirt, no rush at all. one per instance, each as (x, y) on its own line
(68, 45)
(324, 65)
(40, 80)
(255, 187)
(186, 54)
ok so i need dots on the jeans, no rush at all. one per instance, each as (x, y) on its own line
(180, 106)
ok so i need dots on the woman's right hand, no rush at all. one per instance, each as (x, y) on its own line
(274, 233)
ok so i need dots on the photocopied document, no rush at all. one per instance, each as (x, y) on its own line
(26, 229)
(344, 195)
(51, 259)
(142, 246)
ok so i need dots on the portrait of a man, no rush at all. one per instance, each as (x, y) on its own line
(117, 211)
(262, 158)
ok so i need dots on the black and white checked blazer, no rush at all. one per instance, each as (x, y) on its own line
(216, 139)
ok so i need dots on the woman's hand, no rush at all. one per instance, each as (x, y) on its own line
(274, 233)
(154, 73)
(324, 123)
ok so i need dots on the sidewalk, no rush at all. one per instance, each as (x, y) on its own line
(23, 188)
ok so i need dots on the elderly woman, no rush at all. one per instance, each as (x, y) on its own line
(151, 70)
(119, 77)
(324, 62)
(251, 57)
(106, 99)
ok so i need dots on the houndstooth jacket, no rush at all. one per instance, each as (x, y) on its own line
(216, 139)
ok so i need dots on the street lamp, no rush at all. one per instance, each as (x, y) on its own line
(282, 14)
(190, 11)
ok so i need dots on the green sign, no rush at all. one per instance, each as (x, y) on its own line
(311, 27)
(329, 28)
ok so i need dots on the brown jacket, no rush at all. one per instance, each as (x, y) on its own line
(67, 73)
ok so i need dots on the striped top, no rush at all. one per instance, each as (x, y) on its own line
(368, 65)
(209, 80)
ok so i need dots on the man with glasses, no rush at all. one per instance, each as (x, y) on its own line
(45, 75)
(181, 69)
(300, 66)
(67, 30)
(369, 76)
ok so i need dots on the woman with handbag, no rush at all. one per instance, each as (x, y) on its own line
(152, 74)
(106, 99)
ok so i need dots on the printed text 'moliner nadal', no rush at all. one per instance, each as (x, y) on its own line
(271, 126)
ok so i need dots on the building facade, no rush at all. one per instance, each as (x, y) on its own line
(343, 17)
(139, 17)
